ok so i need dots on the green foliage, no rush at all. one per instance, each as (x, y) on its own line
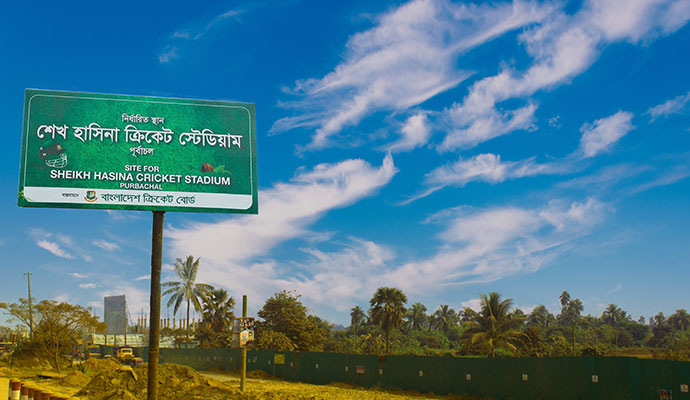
(495, 326)
(56, 326)
(387, 310)
(273, 340)
(285, 313)
(186, 289)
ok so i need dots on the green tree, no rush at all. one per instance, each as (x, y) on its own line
(186, 289)
(217, 309)
(613, 315)
(541, 317)
(357, 318)
(680, 320)
(445, 318)
(416, 316)
(387, 310)
(57, 326)
(495, 325)
(284, 313)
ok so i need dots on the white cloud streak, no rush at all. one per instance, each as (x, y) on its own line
(106, 245)
(54, 248)
(230, 247)
(675, 105)
(603, 133)
(407, 58)
(562, 46)
(414, 133)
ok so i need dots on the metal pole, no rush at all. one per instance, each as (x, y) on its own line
(155, 302)
(31, 308)
(243, 373)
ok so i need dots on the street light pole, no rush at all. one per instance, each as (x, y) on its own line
(31, 308)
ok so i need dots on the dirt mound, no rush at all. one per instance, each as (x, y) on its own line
(28, 360)
(259, 374)
(174, 382)
(96, 366)
(74, 379)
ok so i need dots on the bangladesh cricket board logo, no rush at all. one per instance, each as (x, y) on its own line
(90, 196)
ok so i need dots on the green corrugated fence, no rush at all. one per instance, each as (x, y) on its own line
(557, 378)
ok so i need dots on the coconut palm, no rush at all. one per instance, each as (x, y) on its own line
(680, 320)
(217, 309)
(445, 317)
(357, 318)
(387, 310)
(186, 288)
(494, 325)
(540, 316)
(612, 315)
(416, 316)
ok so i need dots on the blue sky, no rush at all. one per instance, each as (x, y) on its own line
(445, 148)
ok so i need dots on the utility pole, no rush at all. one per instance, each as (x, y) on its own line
(31, 308)
(243, 373)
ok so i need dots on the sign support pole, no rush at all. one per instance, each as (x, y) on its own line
(243, 373)
(155, 302)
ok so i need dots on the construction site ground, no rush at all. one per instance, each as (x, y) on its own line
(108, 380)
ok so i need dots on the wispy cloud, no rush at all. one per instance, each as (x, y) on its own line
(614, 290)
(182, 38)
(54, 248)
(88, 285)
(562, 46)
(105, 245)
(675, 105)
(287, 209)
(603, 133)
(407, 58)
(414, 133)
(77, 275)
(143, 278)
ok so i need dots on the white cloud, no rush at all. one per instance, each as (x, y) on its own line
(143, 278)
(87, 258)
(487, 168)
(53, 248)
(285, 212)
(616, 289)
(87, 285)
(492, 244)
(106, 245)
(603, 133)
(407, 58)
(673, 106)
(168, 55)
(414, 133)
(562, 46)
(475, 304)
(62, 298)
(77, 275)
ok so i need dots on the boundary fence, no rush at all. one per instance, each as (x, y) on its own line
(555, 378)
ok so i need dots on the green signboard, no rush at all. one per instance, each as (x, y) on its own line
(87, 150)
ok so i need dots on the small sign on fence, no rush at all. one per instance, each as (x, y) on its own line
(279, 359)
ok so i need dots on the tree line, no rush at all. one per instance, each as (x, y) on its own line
(388, 326)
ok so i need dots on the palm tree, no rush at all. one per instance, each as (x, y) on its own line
(416, 316)
(445, 317)
(680, 320)
(387, 309)
(611, 314)
(357, 318)
(217, 309)
(495, 324)
(540, 316)
(186, 288)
